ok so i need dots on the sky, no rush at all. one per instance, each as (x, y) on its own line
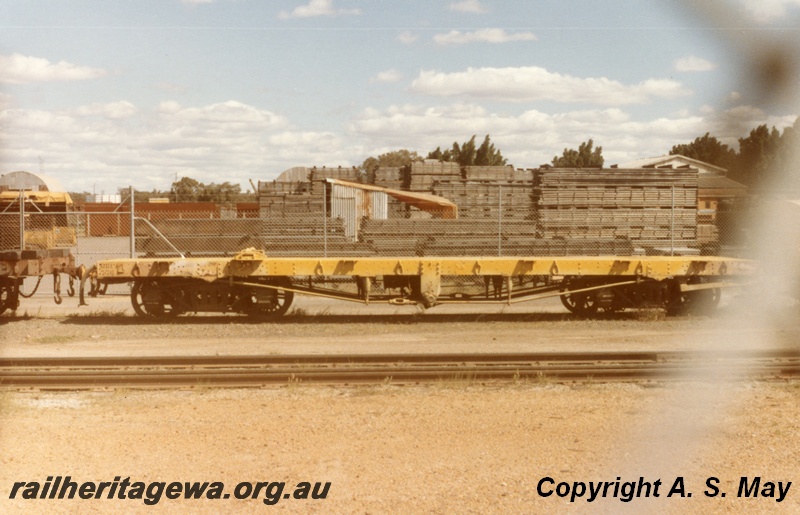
(106, 94)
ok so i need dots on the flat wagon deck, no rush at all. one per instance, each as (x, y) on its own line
(256, 284)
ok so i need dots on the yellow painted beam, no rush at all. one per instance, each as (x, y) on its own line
(255, 264)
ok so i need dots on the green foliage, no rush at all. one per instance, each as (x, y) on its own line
(757, 155)
(191, 190)
(397, 158)
(467, 154)
(708, 149)
(584, 157)
(766, 157)
(80, 197)
(785, 159)
(185, 190)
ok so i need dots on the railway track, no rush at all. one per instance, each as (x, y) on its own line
(259, 371)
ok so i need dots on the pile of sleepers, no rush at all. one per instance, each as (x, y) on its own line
(290, 197)
(423, 175)
(649, 206)
(489, 199)
(289, 234)
(465, 237)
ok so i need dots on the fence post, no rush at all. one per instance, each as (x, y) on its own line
(21, 220)
(672, 226)
(324, 219)
(499, 221)
(133, 237)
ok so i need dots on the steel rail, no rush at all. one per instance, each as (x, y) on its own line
(324, 359)
(257, 371)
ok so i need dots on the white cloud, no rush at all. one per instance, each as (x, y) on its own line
(694, 64)
(388, 76)
(765, 11)
(223, 116)
(113, 110)
(527, 138)
(407, 37)
(738, 121)
(21, 69)
(532, 137)
(467, 6)
(111, 145)
(197, 2)
(5, 101)
(532, 83)
(456, 37)
(317, 8)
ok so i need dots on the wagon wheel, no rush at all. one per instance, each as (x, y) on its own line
(579, 303)
(150, 298)
(267, 302)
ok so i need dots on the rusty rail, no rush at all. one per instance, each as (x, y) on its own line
(259, 371)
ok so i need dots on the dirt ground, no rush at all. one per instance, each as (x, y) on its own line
(453, 446)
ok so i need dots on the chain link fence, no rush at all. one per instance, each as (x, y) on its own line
(495, 223)
(480, 219)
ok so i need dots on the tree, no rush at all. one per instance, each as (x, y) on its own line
(225, 192)
(584, 157)
(186, 190)
(757, 155)
(397, 158)
(708, 149)
(786, 158)
(192, 190)
(467, 155)
(488, 155)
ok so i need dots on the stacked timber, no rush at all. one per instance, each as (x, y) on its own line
(277, 235)
(707, 232)
(496, 173)
(648, 206)
(392, 177)
(432, 237)
(541, 212)
(423, 175)
(489, 199)
(351, 174)
(290, 197)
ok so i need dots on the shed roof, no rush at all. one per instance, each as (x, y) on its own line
(29, 181)
(675, 160)
(720, 184)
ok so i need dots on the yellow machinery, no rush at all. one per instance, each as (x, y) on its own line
(254, 283)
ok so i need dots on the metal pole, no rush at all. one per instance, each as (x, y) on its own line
(21, 220)
(499, 221)
(672, 226)
(324, 219)
(133, 237)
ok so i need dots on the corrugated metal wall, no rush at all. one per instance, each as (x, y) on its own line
(352, 204)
